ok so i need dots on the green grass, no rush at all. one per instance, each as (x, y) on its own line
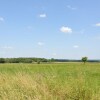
(60, 81)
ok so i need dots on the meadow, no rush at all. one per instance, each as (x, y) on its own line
(56, 81)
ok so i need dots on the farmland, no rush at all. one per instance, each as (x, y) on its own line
(55, 81)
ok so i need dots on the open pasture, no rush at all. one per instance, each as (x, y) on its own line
(57, 81)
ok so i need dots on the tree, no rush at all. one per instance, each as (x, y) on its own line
(52, 60)
(2, 60)
(84, 59)
(38, 61)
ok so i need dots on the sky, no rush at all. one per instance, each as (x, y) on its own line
(63, 29)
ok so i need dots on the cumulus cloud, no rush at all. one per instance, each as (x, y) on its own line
(98, 24)
(70, 7)
(66, 29)
(43, 15)
(40, 43)
(75, 46)
(1, 19)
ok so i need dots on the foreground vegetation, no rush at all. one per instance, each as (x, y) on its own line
(63, 81)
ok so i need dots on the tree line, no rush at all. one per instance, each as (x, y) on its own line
(42, 60)
(23, 60)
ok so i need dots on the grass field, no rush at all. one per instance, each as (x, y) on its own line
(63, 81)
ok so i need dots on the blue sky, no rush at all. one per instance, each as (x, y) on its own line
(68, 29)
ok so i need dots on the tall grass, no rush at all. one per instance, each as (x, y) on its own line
(68, 81)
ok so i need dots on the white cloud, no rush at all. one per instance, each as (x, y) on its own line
(40, 43)
(75, 46)
(1, 19)
(70, 7)
(98, 24)
(43, 15)
(7, 47)
(65, 29)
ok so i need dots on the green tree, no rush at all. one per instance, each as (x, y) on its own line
(84, 59)
(52, 60)
(38, 61)
(2, 60)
